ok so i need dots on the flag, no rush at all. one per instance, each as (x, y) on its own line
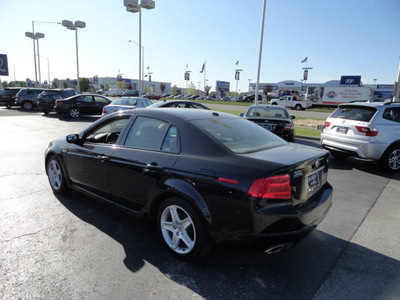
(203, 67)
(148, 67)
(187, 66)
(237, 63)
(304, 60)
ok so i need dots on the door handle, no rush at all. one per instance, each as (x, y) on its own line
(103, 157)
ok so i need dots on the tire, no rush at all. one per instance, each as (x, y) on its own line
(339, 155)
(391, 159)
(298, 107)
(46, 112)
(74, 113)
(27, 105)
(181, 229)
(55, 174)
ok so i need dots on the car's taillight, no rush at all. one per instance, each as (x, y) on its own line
(327, 124)
(369, 131)
(58, 102)
(104, 110)
(288, 127)
(277, 187)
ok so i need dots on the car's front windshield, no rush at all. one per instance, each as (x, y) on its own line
(239, 135)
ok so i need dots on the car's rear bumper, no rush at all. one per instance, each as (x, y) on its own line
(48, 106)
(5, 102)
(365, 149)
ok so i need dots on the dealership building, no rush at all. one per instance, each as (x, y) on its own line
(379, 91)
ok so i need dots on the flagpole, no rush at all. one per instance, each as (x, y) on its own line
(205, 68)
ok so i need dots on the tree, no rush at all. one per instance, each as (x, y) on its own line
(207, 89)
(162, 87)
(174, 90)
(153, 89)
(121, 85)
(64, 84)
(192, 89)
(267, 89)
(54, 84)
(84, 84)
(5, 84)
(145, 89)
(106, 87)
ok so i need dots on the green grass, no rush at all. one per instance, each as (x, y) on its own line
(309, 132)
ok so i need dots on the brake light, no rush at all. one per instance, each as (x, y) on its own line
(277, 187)
(327, 124)
(369, 131)
(58, 102)
(104, 110)
(288, 127)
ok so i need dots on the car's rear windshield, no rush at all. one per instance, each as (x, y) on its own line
(239, 135)
(354, 112)
(125, 101)
(267, 112)
(8, 92)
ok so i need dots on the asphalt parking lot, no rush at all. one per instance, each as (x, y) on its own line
(72, 247)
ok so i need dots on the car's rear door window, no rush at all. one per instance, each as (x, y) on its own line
(356, 113)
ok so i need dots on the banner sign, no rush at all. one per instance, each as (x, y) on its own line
(3, 65)
(223, 85)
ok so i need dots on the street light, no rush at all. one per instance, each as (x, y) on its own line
(35, 36)
(75, 26)
(48, 70)
(142, 58)
(133, 6)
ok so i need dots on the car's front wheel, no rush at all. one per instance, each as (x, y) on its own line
(74, 113)
(181, 229)
(56, 176)
(391, 159)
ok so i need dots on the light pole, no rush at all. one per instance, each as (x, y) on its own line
(48, 70)
(142, 60)
(133, 6)
(75, 26)
(35, 36)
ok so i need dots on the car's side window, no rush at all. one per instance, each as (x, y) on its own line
(147, 133)
(86, 98)
(392, 114)
(108, 132)
(99, 100)
(171, 142)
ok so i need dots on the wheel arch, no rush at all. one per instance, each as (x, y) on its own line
(395, 143)
(186, 191)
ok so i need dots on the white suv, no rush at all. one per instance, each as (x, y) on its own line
(365, 130)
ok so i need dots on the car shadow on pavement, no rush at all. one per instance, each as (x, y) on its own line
(66, 118)
(236, 273)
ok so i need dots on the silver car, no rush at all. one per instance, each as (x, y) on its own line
(365, 130)
(125, 103)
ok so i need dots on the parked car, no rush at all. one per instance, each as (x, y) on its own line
(226, 98)
(7, 96)
(27, 98)
(152, 96)
(178, 104)
(78, 105)
(131, 93)
(167, 164)
(125, 103)
(47, 99)
(365, 130)
(114, 92)
(251, 98)
(273, 118)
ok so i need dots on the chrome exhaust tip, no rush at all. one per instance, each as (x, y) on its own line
(277, 248)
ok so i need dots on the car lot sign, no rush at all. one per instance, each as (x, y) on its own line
(223, 85)
(350, 80)
(3, 65)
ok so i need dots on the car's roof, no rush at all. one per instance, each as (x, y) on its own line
(181, 113)
(371, 104)
(267, 105)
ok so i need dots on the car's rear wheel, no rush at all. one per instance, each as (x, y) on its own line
(339, 155)
(27, 105)
(56, 176)
(298, 107)
(74, 113)
(181, 229)
(391, 159)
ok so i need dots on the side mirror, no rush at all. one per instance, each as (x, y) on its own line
(293, 117)
(73, 138)
(242, 114)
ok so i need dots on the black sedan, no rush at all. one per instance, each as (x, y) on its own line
(203, 176)
(78, 105)
(273, 118)
(178, 104)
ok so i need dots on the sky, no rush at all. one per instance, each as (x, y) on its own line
(342, 37)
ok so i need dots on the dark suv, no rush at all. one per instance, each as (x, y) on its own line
(251, 97)
(27, 98)
(7, 96)
(47, 99)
